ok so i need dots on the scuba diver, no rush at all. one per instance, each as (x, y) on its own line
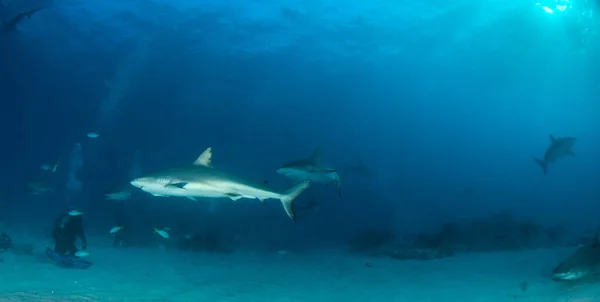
(67, 227)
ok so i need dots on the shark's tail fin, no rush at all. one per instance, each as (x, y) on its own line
(544, 165)
(287, 198)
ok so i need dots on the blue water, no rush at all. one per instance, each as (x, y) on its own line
(431, 111)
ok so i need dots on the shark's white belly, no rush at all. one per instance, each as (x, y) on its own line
(212, 190)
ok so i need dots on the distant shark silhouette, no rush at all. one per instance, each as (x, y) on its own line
(559, 147)
(11, 26)
(311, 169)
(583, 263)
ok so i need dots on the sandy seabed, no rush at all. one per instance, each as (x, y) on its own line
(134, 274)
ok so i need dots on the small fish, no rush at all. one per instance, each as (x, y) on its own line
(75, 213)
(118, 196)
(93, 135)
(162, 233)
(47, 167)
(167, 229)
(39, 188)
(56, 165)
(116, 229)
(82, 254)
(188, 236)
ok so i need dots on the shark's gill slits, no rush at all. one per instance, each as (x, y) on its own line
(163, 180)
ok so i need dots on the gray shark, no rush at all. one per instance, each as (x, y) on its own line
(11, 25)
(310, 169)
(559, 147)
(583, 263)
(201, 180)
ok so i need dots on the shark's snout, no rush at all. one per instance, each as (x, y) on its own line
(138, 183)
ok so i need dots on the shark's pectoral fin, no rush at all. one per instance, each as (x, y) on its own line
(234, 196)
(158, 195)
(191, 198)
(178, 185)
(262, 200)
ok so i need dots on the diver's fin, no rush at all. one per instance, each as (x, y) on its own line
(542, 163)
(205, 158)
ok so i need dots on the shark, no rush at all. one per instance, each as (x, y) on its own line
(202, 180)
(583, 263)
(11, 25)
(312, 170)
(559, 147)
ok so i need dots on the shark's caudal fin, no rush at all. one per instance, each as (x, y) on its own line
(542, 163)
(288, 197)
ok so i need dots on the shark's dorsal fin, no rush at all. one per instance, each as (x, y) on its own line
(552, 139)
(316, 156)
(205, 158)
